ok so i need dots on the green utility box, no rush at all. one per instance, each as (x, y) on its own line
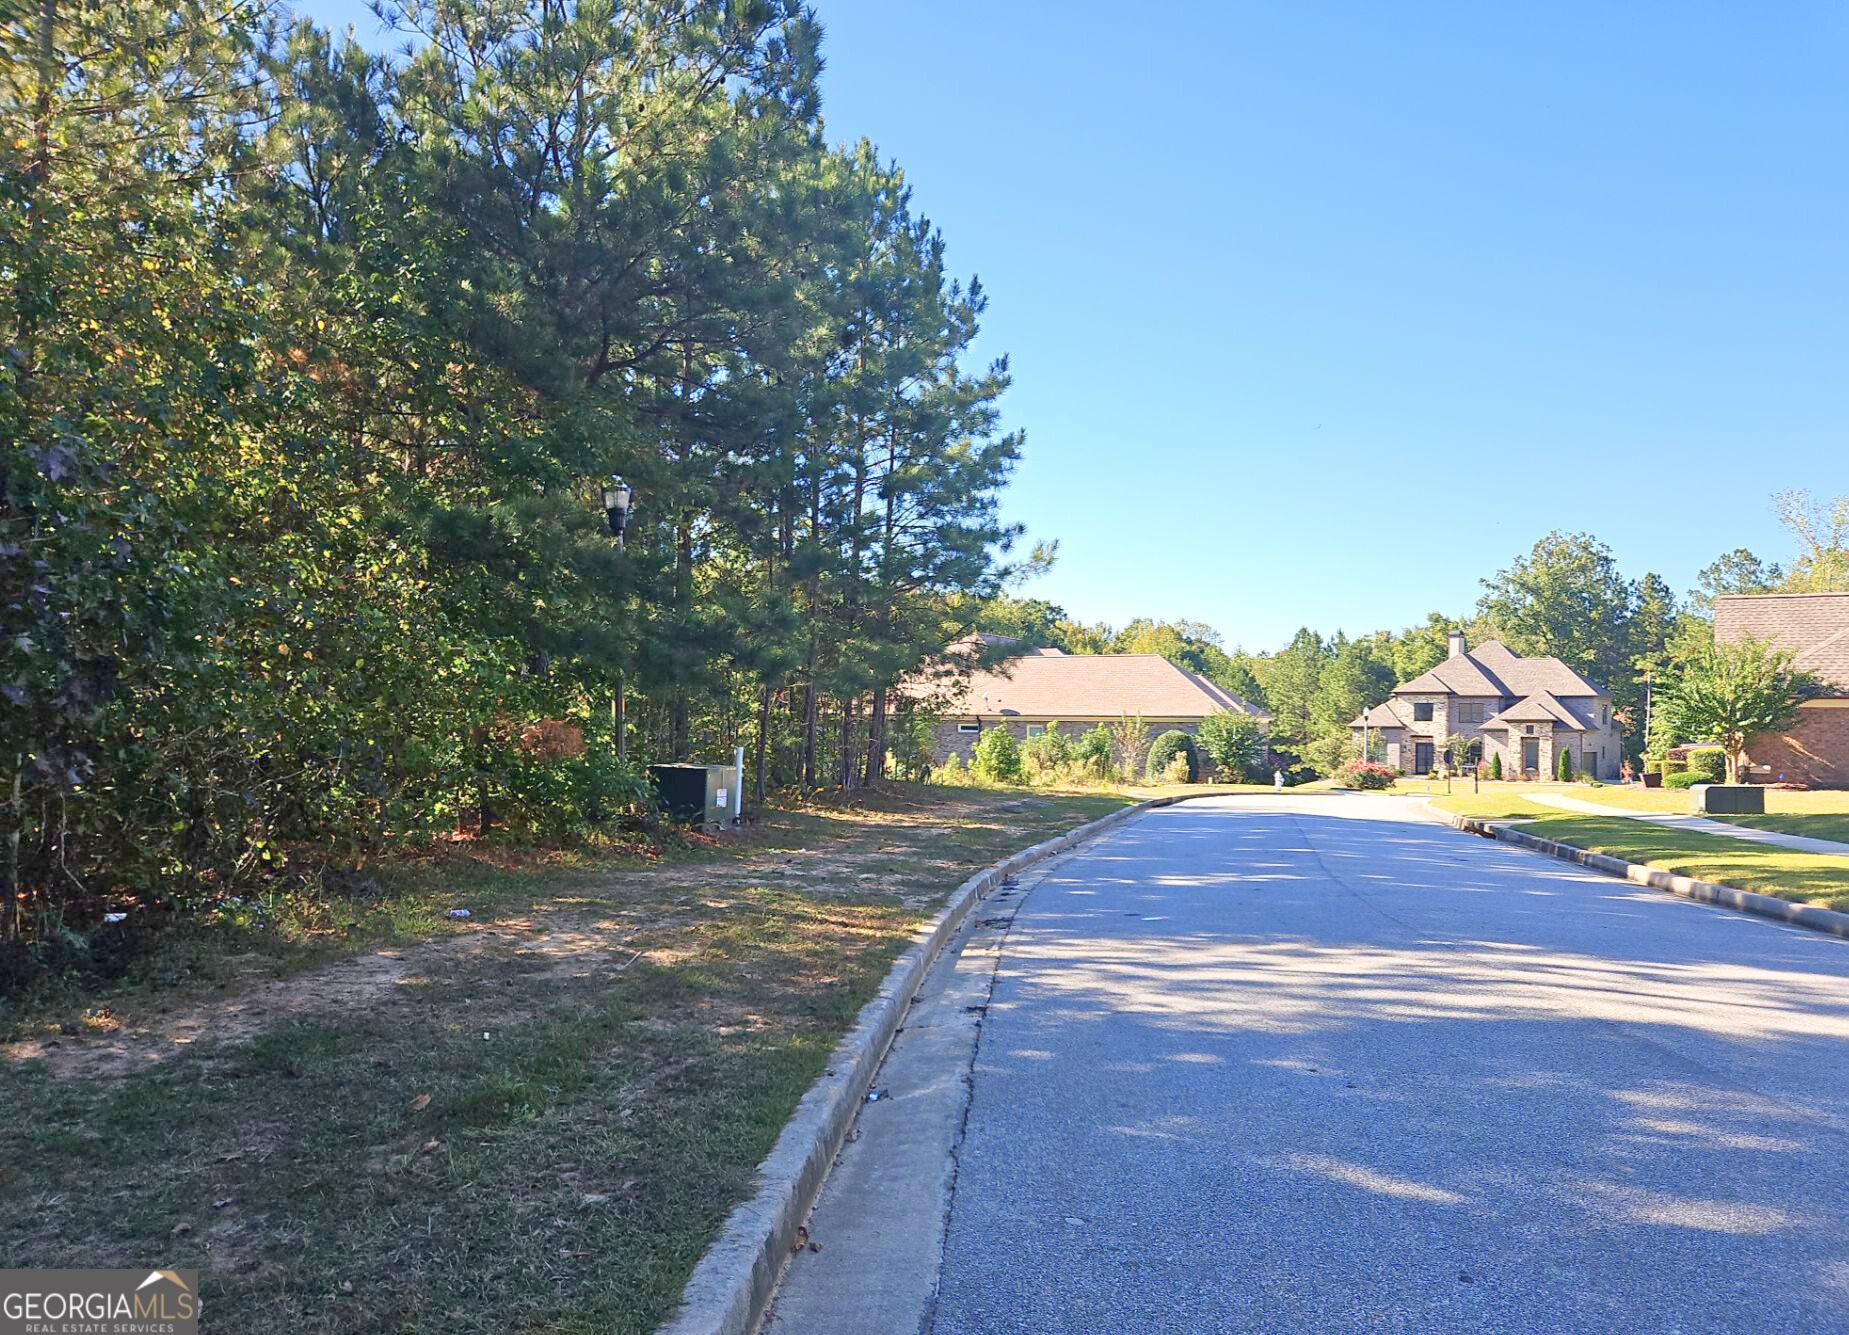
(1729, 799)
(700, 795)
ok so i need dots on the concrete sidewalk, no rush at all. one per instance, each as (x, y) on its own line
(1699, 824)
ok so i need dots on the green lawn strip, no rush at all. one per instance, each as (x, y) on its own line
(1807, 878)
(1813, 825)
(1819, 814)
(567, 1169)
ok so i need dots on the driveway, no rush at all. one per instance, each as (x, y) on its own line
(1315, 1064)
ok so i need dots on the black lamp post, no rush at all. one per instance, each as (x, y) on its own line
(617, 495)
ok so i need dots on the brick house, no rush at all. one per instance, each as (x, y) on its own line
(1525, 710)
(1034, 689)
(1814, 751)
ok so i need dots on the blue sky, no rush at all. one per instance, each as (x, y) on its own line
(1319, 312)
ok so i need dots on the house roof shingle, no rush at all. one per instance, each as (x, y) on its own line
(1493, 668)
(1082, 686)
(1814, 626)
(1380, 716)
(1541, 707)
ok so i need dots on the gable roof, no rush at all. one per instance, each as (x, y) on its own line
(1495, 669)
(1084, 686)
(1814, 626)
(1380, 716)
(1541, 707)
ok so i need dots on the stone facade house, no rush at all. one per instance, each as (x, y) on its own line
(1525, 710)
(1814, 751)
(1034, 689)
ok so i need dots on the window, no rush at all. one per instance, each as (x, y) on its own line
(1472, 711)
(969, 727)
(1422, 713)
(1035, 729)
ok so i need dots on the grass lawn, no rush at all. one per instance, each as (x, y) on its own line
(534, 1120)
(1807, 878)
(1821, 814)
(1497, 805)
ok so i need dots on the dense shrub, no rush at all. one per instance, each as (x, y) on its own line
(1046, 753)
(1164, 750)
(1708, 761)
(571, 794)
(1653, 765)
(1235, 743)
(997, 757)
(1094, 751)
(952, 772)
(1684, 779)
(1178, 770)
(1563, 766)
(1367, 774)
(1495, 766)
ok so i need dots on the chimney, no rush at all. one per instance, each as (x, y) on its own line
(1457, 644)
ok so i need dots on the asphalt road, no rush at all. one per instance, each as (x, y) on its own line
(1311, 1065)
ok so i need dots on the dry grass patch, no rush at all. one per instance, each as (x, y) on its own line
(534, 1124)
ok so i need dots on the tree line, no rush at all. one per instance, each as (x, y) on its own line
(1566, 598)
(316, 362)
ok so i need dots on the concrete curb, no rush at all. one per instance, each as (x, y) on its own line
(733, 1282)
(1707, 892)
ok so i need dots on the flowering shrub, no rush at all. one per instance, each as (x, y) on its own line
(1364, 774)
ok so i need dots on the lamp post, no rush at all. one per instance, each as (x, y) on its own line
(617, 495)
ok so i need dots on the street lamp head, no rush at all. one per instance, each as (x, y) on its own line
(616, 497)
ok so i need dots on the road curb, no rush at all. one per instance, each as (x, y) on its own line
(733, 1282)
(1707, 892)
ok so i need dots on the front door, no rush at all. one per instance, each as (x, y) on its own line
(1531, 754)
(1421, 757)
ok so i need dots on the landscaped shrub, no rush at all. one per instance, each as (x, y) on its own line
(1369, 774)
(1165, 749)
(1235, 743)
(1708, 761)
(1653, 766)
(997, 757)
(1094, 751)
(1563, 767)
(1685, 779)
(1673, 766)
(1495, 766)
(1178, 771)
